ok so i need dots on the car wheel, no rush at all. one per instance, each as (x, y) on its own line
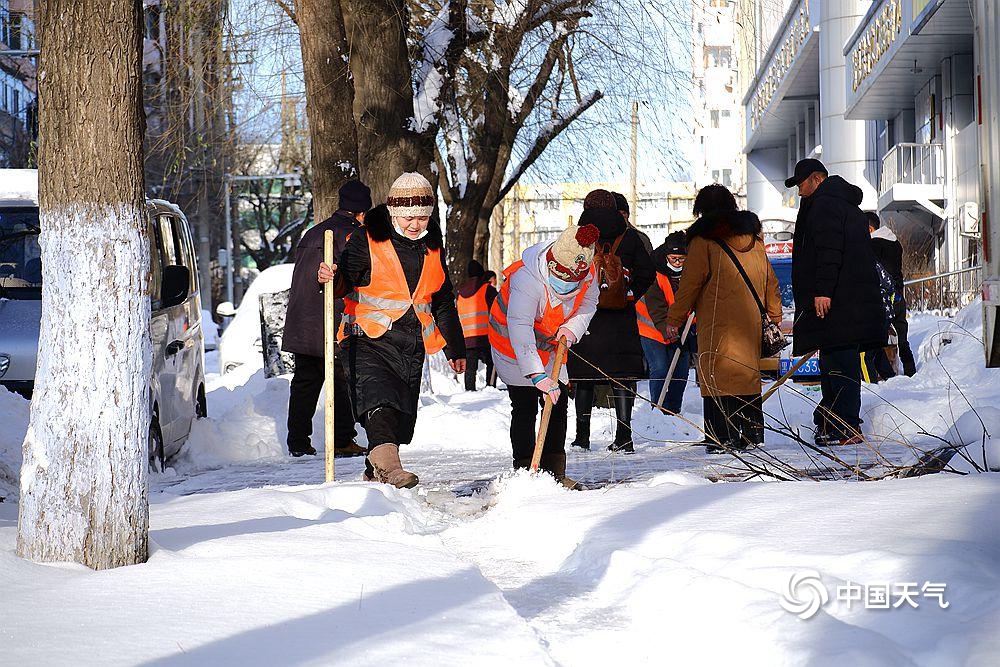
(156, 462)
(201, 406)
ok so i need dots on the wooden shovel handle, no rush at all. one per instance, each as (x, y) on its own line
(329, 349)
(543, 427)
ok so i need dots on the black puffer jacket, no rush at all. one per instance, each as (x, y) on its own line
(832, 257)
(303, 332)
(386, 371)
(612, 340)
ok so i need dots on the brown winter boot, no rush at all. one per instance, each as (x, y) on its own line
(555, 463)
(388, 469)
(350, 449)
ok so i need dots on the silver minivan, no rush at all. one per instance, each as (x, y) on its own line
(177, 386)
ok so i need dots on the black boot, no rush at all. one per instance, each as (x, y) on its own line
(584, 399)
(624, 401)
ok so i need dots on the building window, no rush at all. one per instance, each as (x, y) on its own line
(727, 177)
(719, 3)
(718, 56)
(550, 204)
(714, 114)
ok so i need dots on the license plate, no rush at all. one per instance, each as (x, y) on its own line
(811, 367)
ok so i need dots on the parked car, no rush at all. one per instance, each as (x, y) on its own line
(177, 384)
(779, 253)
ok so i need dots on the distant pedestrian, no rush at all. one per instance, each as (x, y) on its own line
(398, 307)
(838, 304)
(652, 309)
(889, 252)
(610, 353)
(475, 297)
(303, 334)
(729, 320)
(623, 208)
(548, 294)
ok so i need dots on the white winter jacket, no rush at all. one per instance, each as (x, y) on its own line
(529, 293)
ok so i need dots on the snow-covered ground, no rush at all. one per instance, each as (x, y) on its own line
(256, 561)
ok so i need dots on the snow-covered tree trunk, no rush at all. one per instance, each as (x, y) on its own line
(84, 479)
(329, 101)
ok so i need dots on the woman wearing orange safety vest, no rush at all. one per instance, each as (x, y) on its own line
(651, 311)
(398, 305)
(548, 293)
(475, 297)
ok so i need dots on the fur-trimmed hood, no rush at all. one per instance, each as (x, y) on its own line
(724, 225)
(378, 224)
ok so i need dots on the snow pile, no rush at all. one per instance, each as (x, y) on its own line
(240, 342)
(14, 417)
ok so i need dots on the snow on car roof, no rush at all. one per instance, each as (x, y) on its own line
(19, 185)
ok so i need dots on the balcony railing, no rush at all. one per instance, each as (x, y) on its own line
(912, 164)
(944, 291)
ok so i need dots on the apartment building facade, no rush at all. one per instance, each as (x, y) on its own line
(18, 93)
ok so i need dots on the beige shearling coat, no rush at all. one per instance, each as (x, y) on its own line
(729, 322)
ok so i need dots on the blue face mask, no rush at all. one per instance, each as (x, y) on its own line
(562, 286)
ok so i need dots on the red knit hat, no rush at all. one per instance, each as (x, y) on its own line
(570, 257)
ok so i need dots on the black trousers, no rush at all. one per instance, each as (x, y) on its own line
(386, 425)
(737, 421)
(473, 355)
(624, 397)
(905, 353)
(839, 411)
(303, 395)
(524, 402)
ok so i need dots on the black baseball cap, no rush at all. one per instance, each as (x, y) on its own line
(803, 169)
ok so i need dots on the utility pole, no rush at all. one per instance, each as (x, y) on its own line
(634, 198)
(204, 213)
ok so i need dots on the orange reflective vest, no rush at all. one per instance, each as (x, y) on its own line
(646, 327)
(545, 328)
(474, 314)
(376, 306)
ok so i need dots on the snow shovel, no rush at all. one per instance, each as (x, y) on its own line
(789, 373)
(673, 362)
(329, 341)
(543, 427)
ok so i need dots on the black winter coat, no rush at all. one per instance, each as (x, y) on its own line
(832, 257)
(386, 371)
(303, 332)
(612, 340)
(890, 255)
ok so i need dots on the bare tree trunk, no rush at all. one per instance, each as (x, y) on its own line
(84, 480)
(329, 101)
(388, 143)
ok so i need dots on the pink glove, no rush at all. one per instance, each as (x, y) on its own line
(570, 336)
(544, 384)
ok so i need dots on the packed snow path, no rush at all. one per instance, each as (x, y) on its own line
(255, 561)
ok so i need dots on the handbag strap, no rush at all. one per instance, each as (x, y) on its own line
(746, 278)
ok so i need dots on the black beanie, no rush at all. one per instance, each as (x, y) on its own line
(355, 197)
(475, 269)
(620, 202)
(676, 244)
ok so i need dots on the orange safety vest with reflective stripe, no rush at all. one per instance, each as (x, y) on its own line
(646, 327)
(474, 314)
(376, 306)
(545, 329)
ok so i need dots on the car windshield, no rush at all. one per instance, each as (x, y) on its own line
(20, 254)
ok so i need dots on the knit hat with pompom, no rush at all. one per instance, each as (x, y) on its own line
(411, 195)
(571, 255)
